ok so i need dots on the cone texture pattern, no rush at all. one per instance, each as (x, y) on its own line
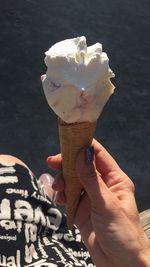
(73, 137)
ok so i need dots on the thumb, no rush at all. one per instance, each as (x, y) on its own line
(101, 197)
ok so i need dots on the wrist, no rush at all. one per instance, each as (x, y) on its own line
(144, 255)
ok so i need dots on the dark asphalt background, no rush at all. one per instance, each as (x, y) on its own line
(28, 128)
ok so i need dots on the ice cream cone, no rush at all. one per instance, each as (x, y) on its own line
(73, 137)
(77, 86)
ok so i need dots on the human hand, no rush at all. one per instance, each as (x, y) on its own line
(110, 226)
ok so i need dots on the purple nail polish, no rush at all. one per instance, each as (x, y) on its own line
(89, 154)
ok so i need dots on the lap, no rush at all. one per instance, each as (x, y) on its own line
(33, 230)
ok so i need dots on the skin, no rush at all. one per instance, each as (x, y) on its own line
(110, 226)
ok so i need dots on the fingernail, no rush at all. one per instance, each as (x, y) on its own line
(43, 77)
(89, 154)
(48, 159)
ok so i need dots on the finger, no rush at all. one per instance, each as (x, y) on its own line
(102, 199)
(54, 162)
(58, 183)
(83, 207)
(110, 171)
(43, 77)
(46, 180)
(103, 160)
(60, 198)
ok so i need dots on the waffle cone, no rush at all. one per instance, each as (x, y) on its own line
(73, 137)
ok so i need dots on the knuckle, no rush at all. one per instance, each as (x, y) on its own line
(130, 185)
(91, 174)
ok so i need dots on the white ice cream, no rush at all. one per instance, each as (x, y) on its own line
(77, 82)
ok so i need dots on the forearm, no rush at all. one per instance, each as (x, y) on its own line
(123, 244)
(140, 258)
(144, 257)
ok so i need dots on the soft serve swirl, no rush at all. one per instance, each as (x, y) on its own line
(77, 82)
